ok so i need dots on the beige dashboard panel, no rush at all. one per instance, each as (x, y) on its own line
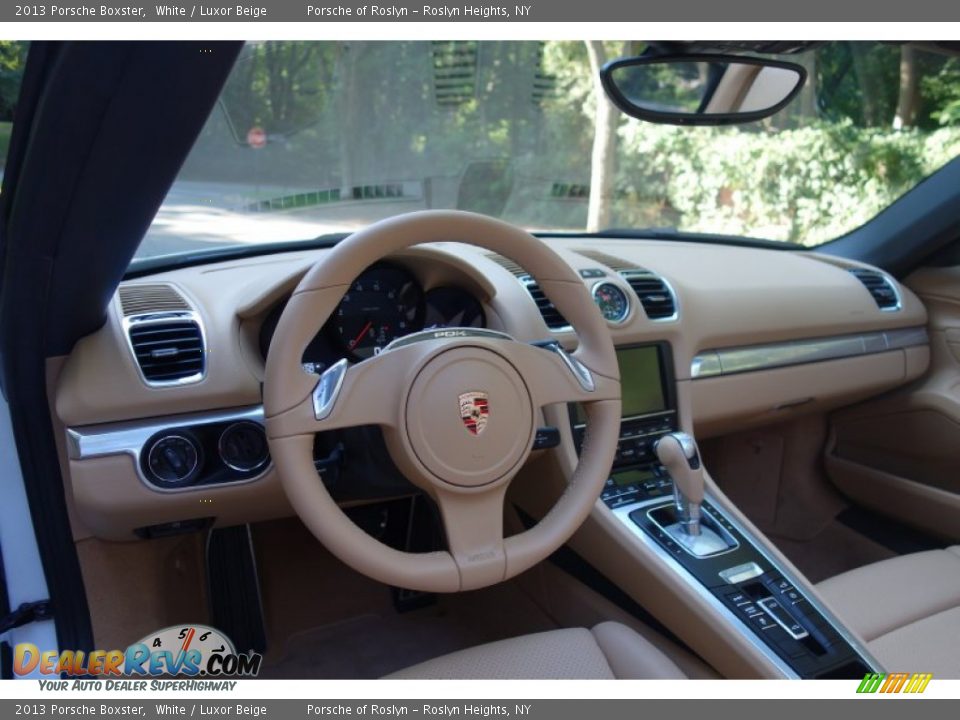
(101, 383)
(112, 502)
(727, 296)
(735, 402)
(900, 453)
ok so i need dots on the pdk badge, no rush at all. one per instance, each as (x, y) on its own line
(474, 411)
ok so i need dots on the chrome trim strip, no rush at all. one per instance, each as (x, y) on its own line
(328, 388)
(732, 542)
(451, 333)
(158, 318)
(730, 361)
(90, 441)
(623, 514)
(580, 371)
(129, 438)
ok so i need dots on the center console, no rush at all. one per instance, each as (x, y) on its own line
(721, 561)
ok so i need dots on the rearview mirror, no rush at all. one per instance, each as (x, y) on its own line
(701, 89)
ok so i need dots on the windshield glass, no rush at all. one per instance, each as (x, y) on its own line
(325, 137)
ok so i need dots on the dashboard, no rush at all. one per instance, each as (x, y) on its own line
(720, 338)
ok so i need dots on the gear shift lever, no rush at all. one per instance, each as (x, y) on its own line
(679, 455)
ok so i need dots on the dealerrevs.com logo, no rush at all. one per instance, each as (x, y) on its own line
(892, 683)
(180, 650)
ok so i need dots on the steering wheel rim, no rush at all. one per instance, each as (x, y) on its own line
(410, 390)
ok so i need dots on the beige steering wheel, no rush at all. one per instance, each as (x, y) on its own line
(419, 390)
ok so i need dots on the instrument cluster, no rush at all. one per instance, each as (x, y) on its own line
(384, 303)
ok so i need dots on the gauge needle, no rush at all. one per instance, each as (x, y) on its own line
(359, 337)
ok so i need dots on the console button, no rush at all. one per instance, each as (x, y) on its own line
(749, 609)
(763, 622)
(738, 598)
(546, 437)
(622, 499)
(777, 611)
(791, 596)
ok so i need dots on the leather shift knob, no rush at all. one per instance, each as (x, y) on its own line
(679, 455)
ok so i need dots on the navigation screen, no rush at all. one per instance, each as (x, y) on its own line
(641, 382)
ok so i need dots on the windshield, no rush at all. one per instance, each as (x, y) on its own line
(315, 138)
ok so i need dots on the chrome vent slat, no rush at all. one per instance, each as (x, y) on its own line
(172, 358)
(879, 286)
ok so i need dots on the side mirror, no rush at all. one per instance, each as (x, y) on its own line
(701, 89)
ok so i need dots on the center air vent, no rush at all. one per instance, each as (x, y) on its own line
(551, 316)
(164, 333)
(655, 295)
(880, 288)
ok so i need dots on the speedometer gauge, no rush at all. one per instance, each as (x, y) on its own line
(384, 303)
(612, 301)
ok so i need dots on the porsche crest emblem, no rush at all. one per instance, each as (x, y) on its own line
(474, 411)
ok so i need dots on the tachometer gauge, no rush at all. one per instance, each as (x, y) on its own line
(384, 303)
(612, 301)
(450, 306)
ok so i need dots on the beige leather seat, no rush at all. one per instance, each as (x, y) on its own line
(608, 651)
(906, 608)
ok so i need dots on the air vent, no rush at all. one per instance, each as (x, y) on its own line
(880, 288)
(164, 333)
(654, 293)
(168, 348)
(551, 316)
(142, 299)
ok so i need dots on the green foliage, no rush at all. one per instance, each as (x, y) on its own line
(804, 185)
(943, 90)
(13, 56)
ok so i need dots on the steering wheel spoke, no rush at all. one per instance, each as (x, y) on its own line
(556, 376)
(473, 522)
(348, 395)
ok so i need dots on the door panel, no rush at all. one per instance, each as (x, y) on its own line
(900, 453)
